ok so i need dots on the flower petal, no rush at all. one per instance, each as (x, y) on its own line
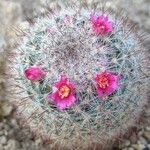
(60, 100)
(62, 81)
(109, 90)
(93, 18)
(63, 104)
(101, 24)
(53, 97)
(71, 100)
(34, 73)
(110, 83)
(100, 92)
(109, 27)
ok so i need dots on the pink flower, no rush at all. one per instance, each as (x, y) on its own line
(64, 96)
(106, 83)
(34, 73)
(101, 25)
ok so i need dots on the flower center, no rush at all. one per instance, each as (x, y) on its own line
(64, 91)
(101, 28)
(103, 82)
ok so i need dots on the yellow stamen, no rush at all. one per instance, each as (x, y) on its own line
(101, 28)
(103, 82)
(64, 91)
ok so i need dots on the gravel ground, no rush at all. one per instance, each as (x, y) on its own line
(15, 13)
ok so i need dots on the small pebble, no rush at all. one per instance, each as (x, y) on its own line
(1, 147)
(148, 146)
(147, 128)
(5, 132)
(3, 140)
(12, 145)
(147, 135)
(1, 126)
(1, 133)
(6, 109)
(38, 142)
(130, 148)
(127, 143)
(142, 140)
(138, 146)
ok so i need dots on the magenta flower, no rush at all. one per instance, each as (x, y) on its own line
(34, 73)
(106, 83)
(101, 25)
(64, 96)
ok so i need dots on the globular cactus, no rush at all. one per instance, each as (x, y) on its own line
(78, 76)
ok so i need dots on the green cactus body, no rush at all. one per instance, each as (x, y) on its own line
(63, 42)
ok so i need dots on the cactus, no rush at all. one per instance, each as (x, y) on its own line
(68, 42)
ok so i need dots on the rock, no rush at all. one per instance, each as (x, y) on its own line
(38, 142)
(130, 148)
(147, 135)
(125, 144)
(5, 132)
(126, 148)
(1, 132)
(1, 79)
(14, 124)
(147, 128)
(4, 121)
(133, 139)
(12, 145)
(6, 109)
(1, 147)
(140, 133)
(1, 126)
(10, 133)
(3, 140)
(148, 146)
(10, 15)
(2, 44)
(142, 140)
(138, 146)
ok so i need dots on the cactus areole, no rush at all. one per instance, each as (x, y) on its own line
(77, 76)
